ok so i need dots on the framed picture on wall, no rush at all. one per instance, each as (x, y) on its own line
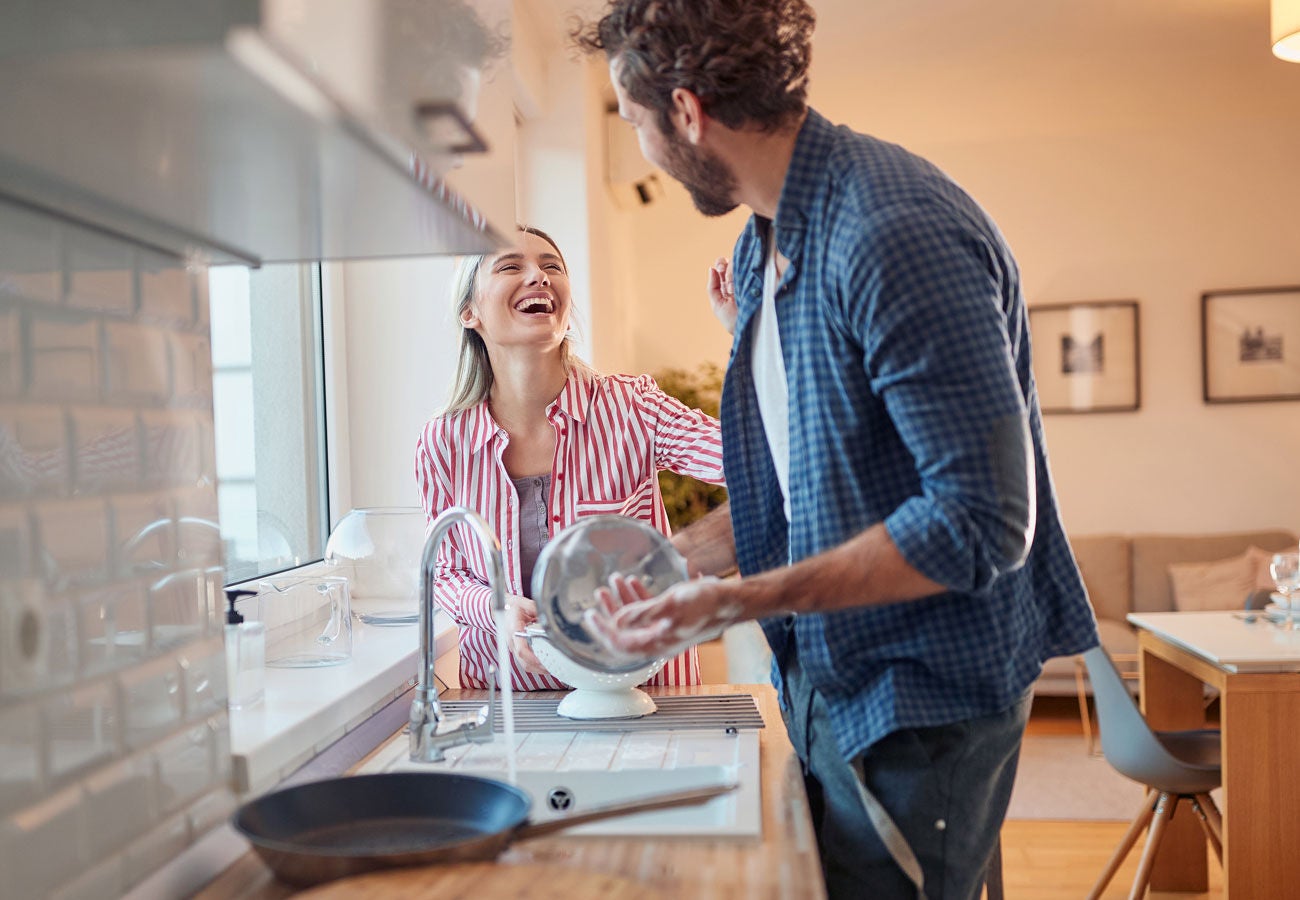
(1086, 356)
(1250, 345)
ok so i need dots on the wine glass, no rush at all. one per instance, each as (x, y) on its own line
(1285, 570)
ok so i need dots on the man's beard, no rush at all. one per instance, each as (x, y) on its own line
(711, 184)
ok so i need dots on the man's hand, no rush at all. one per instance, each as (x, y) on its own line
(631, 623)
(722, 294)
(520, 613)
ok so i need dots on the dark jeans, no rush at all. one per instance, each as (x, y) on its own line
(946, 788)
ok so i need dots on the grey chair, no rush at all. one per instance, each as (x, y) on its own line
(1174, 766)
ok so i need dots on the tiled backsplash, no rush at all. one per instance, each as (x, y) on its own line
(114, 742)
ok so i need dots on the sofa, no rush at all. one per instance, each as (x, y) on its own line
(1131, 573)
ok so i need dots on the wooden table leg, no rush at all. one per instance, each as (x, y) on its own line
(1261, 784)
(1172, 701)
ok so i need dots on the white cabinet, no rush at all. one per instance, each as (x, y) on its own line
(285, 130)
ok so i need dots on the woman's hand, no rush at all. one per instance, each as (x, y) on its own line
(722, 294)
(520, 613)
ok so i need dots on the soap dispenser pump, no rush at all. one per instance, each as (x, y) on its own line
(245, 654)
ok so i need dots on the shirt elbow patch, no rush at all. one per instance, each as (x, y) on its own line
(1012, 458)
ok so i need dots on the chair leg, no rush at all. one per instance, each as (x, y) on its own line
(993, 873)
(1125, 845)
(1211, 822)
(1164, 812)
(1212, 814)
(1082, 691)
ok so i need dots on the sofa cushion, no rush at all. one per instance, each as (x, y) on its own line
(1153, 554)
(1263, 575)
(1117, 637)
(1220, 583)
(1105, 562)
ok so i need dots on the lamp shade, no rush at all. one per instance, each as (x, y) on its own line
(1286, 30)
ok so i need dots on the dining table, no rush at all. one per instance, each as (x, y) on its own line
(1250, 661)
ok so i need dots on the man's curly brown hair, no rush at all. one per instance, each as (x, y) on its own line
(747, 60)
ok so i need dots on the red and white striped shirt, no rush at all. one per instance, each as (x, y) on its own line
(613, 434)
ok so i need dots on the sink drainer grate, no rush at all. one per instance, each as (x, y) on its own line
(687, 712)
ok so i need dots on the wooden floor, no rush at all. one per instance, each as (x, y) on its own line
(1061, 860)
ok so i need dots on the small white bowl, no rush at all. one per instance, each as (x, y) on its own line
(596, 694)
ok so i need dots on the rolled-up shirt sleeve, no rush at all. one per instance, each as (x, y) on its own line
(686, 441)
(938, 356)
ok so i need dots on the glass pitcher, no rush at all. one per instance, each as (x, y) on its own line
(308, 620)
(378, 550)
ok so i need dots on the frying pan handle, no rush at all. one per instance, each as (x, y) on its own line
(691, 797)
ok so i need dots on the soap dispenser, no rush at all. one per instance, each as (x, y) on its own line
(245, 654)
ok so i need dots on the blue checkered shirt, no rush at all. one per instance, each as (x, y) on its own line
(906, 349)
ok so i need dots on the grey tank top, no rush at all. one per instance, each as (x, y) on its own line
(534, 494)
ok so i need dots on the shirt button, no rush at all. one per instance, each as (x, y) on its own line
(510, 545)
(537, 482)
(559, 476)
(555, 518)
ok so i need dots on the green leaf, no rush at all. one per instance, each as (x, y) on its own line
(687, 499)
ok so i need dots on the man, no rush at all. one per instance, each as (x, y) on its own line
(892, 512)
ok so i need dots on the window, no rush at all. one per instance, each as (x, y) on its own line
(268, 398)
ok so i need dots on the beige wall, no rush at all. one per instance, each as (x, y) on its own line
(1156, 217)
(1119, 167)
(1128, 171)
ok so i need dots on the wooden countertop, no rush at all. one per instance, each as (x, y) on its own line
(783, 864)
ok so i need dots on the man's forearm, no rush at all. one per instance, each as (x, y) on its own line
(866, 570)
(709, 544)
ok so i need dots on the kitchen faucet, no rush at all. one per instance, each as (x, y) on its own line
(432, 731)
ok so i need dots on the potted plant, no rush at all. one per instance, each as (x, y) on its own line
(687, 499)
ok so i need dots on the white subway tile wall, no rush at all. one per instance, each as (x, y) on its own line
(29, 257)
(114, 741)
(62, 356)
(104, 879)
(15, 546)
(73, 541)
(20, 757)
(42, 435)
(43, 845)
(112, 627)
(11, 373)
(139, 363)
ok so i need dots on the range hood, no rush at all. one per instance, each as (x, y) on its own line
(259, 132)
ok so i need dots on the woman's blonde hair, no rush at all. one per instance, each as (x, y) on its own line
(473, 382)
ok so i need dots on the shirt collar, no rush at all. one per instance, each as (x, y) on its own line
(482, 427)
(574, 400)
(804, 182)
(800, 192)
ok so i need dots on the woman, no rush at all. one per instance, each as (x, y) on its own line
(533, 439)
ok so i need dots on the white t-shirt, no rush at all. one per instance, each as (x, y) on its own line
(769, 377)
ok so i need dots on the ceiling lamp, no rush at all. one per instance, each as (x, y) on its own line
(1286, 30)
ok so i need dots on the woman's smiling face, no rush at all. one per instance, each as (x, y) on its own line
(521, 295)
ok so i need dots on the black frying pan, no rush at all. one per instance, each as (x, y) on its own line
(330, 829)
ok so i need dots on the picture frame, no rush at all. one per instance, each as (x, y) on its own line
(1250, 345)
(1086, 356)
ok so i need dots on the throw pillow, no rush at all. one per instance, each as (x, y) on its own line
(1260, 560)
(1219, 584)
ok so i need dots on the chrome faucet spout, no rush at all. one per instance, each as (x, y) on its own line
(431, 731)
